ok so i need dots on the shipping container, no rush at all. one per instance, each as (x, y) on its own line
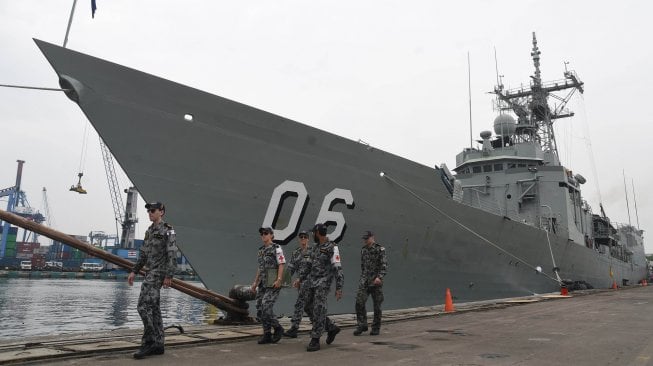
(10, 252)
(42, 250)
(24, 255)
(11, 245)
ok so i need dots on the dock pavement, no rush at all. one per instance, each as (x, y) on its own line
(593, 327)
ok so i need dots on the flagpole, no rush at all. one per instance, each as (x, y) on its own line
(70, 21)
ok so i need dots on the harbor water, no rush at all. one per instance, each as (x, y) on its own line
(41, 307)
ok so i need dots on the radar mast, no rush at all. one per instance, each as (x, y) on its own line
(535, 116)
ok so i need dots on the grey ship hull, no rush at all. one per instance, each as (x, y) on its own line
(217, 174)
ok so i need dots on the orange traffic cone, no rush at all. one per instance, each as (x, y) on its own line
(448, 303)
(614, 284)
(564, 291)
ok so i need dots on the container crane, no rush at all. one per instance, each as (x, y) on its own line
(128, 218)
(18, 204)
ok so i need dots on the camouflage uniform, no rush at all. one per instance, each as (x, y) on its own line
(159, 254)
(300, 263)
(373, 264)
(325, 265)
(269, 257)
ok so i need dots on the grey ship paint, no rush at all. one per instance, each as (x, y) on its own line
(224, 169)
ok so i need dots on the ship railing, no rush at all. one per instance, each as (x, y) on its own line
(482, 200)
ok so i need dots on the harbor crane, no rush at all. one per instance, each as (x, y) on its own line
(19, 205)
(127, 218)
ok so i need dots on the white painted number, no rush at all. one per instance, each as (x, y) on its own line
(325, 215)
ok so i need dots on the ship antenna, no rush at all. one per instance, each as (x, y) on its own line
(496, 69)
(626, 190)
(635, 200)
(70, 21)
(469, 92)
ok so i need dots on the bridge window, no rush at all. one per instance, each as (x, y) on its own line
(487, 168)
(476, 169)
(498, 167)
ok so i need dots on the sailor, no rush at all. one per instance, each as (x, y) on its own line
(374, 265)
(267, 285)
(300, 263)
(325, 265)
(159, 255)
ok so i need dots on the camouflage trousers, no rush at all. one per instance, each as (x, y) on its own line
(265, 299)
(301, 306)
(150, 311)
(316, 302)
(377, 299)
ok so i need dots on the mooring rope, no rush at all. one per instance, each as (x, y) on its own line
(467, 228)
(32, 87)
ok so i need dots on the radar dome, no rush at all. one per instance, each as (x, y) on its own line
(486, 134)
(504, 125)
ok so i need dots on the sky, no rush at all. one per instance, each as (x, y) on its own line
(391, 73)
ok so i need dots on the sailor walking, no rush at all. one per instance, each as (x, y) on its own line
(300, 263)
(267, 285)
(374, 266)
(159, 255)
(325, 266)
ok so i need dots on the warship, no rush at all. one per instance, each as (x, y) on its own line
(509, 220)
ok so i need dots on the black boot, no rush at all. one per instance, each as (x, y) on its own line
(375, 331)
(267, 338)
(360, 330)
(278, 333)
(314, 345)
(331, 335)
(290, 333)
(144, 352)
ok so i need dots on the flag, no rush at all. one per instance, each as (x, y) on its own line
(93, 8)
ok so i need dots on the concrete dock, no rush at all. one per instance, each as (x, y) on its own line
(595, 327)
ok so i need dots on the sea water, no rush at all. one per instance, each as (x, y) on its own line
(43, 307)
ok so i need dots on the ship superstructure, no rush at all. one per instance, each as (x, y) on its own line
(517, 173)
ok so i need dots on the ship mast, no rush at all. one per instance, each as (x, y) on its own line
(535, 116)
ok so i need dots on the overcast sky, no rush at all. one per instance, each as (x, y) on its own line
(392, 73)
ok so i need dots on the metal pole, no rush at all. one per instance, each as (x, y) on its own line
(220, 301)
(70, 21)
(469, 91)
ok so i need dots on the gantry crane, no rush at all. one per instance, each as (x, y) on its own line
(18, 204)
(127, 218)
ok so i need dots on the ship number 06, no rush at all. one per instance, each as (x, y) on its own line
(297, 189)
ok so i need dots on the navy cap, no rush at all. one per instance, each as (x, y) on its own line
(367, 234)
(158, 205)
(266, 229)
(303, 233)
(320, 228)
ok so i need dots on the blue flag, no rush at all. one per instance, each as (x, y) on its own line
(93, 8)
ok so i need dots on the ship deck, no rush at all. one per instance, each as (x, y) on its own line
(607, 327)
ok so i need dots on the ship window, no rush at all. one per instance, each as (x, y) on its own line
(521, 165)
(476, 169)
(466, 171)
(487, 168)
(498, 167)
(511, 165)
(188, 117)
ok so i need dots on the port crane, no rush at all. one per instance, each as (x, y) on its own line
(127, 218)
(19, 205)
